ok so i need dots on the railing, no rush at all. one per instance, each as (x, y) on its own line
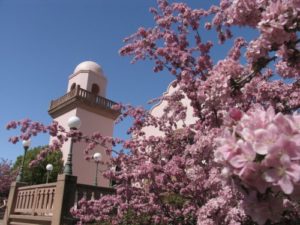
(83, 95)
(35, 199)
(90, 192)
(48, 204)
(66, 97)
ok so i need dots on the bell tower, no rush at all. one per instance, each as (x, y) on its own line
(86, 99)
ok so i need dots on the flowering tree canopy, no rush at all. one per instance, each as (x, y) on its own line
(7, 175)
(239, 162)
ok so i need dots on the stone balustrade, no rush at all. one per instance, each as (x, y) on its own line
(48, 204)
(83, 95)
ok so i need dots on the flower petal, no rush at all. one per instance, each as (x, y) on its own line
(286, 185)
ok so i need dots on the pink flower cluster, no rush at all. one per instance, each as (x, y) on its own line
(263, 151)
(7, 176)
(173, 178)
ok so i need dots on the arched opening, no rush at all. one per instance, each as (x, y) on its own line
(95, 89)
(73, 86)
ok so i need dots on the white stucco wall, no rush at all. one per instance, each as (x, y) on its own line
(99, 80)
(87, 79)
(79, 79)
(157, 110)
(90, 123)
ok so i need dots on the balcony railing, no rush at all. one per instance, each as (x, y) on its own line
(35, 200)
(85, 96)
(49, 204)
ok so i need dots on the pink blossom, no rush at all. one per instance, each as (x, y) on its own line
(7, 176)
(262, 210)
(238, 163)
(235, 114)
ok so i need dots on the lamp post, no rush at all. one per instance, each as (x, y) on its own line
(97, 157)
(112, 182)
(73, 123)
(26, 145)
(49, 169)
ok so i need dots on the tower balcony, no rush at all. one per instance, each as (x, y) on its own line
(81, 98)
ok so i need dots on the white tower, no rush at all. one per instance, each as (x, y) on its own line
(85, 99)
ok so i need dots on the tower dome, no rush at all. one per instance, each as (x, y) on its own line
(89, 66)
(89, 76)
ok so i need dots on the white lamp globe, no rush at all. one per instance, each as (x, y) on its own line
(49, 167)
(97, 156)
(26, 143)
(74, 122)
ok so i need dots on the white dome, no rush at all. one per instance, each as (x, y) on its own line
(89, 65)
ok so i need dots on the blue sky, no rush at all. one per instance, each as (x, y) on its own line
(41, 43)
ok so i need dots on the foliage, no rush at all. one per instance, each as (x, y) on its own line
(37, 174)
(238, 163)
(7, 175)
(130, 217)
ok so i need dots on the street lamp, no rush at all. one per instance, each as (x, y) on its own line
(97, 157)
(49, 168)
(73, 123)
(26, 145)
(112, 182)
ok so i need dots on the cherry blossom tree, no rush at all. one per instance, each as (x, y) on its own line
(7, 175)
(239, 162)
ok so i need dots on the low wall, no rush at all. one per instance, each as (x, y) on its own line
(48, 204)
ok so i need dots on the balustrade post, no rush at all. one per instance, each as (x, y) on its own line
(64, 199)
(77, 90)
(12, 198)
